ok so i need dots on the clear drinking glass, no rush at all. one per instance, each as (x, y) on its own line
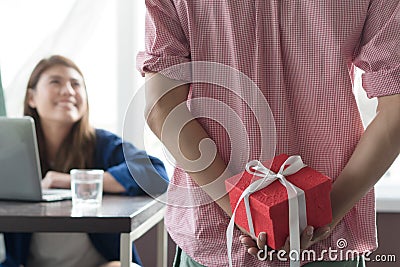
(86, 187)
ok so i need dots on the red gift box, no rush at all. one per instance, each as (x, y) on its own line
(269, 206)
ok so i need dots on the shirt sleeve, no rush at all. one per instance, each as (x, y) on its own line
(379, 51)
(166, 43)
(136, 171)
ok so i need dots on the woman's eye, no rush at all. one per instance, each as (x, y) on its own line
(55, 81)
(75, 83)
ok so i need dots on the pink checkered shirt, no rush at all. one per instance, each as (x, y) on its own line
(301, 56)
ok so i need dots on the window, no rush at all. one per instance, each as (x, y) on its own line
(101, 36)
(85, 31)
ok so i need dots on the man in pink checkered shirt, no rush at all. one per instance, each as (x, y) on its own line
(301, 56)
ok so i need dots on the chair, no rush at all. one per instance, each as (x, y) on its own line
(2, 102)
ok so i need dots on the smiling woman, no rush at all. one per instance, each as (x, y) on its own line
(61, 91)
(109, 35)
(56, 99)
(101, 36)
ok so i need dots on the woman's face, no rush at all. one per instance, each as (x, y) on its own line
(59, 96)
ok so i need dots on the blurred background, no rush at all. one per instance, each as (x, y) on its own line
(103, 37)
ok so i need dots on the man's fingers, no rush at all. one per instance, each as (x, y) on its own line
(321, 233)
(262, 240)
(253, 251)
(247, 241)
(306, 236)
(255, 247)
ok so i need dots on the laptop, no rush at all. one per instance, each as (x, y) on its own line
(20, 173)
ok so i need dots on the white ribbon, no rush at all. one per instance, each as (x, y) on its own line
(296, 198)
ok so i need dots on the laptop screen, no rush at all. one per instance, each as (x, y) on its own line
(20, 174)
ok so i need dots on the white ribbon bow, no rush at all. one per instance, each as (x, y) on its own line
(296, 198)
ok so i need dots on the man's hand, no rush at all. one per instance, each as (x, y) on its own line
(308, 238)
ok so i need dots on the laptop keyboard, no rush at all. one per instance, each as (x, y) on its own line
(56, 194)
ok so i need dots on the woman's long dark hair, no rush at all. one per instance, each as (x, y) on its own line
(77, 150)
